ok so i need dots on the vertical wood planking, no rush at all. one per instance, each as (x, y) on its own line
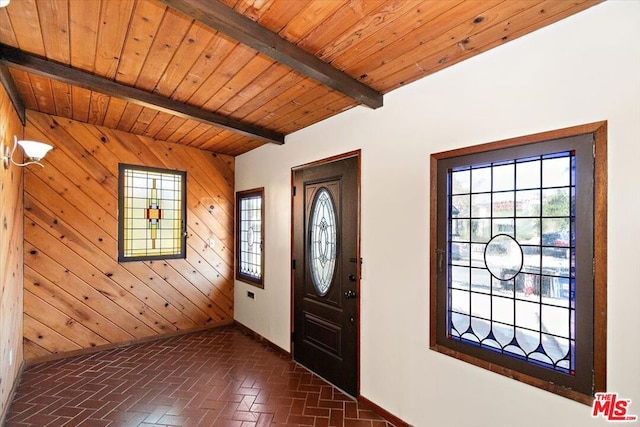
(343, 22)
(312, 17)
(170, 127)
(25, 23)
(171, 32)
(6, 30)
(115, 110)
(186, 127)
(114, 21)
(146, 44)
(264, 81)
(143, 27)
(74, 281)
(240, 56)
(280, 13)
(84, 17)
(62, 98)
(545, 13)
(81, 101)
(54, 19)
(460, 37)
(144, 120)
(129, 116)
(275, 90)
(211, 133)
(195, 42)
(43, 93)
(98, 105)
(363, 32)
(243, 77)
(23, 83)
(208, 61)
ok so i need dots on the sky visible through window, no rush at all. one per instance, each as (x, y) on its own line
(510, 258)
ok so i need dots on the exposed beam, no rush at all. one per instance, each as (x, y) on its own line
(10, 86)
(237, 26)
(34, 64)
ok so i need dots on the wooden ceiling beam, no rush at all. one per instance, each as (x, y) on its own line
(11, 89)
(33, 64)
(222, 18)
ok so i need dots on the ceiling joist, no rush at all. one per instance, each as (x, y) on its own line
(36, 65)
(237, 26)
(11, 89)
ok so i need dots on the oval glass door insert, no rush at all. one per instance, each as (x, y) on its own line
(322, 241)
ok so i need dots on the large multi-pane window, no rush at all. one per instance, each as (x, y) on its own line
(250, 236)
(514, 255)
(152, 213)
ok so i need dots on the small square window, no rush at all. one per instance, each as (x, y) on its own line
(152, 212)
(250, 236)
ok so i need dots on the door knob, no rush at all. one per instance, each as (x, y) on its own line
(350, 294)
(352, 277)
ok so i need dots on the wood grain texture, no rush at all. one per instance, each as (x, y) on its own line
(11, 248)
(471, 38)
(77, 296)
(146, 45)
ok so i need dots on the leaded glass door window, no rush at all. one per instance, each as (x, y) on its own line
(151, 214)
(514, 280)
(323, 236)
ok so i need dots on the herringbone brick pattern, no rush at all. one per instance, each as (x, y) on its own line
(218, 377)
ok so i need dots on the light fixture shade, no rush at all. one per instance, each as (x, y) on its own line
(4, 3)
(33, 149)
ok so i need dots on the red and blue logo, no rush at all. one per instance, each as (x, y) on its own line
(612, 408)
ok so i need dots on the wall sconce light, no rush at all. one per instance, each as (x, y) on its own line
(4, 3)
(34, 151)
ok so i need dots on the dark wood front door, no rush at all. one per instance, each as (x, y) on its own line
(326, 270)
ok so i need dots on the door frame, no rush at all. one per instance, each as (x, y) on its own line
(327, 160)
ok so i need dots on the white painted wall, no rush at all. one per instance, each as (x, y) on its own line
(583, 69)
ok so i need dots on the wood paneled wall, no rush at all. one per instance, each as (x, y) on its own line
(76, 294)
(10, 257)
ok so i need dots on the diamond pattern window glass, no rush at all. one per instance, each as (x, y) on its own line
(152, 213)
(515, 237)
(250, 236)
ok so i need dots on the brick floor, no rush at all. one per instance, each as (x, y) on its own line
(218, 377)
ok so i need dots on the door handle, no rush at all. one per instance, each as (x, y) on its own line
(352, 277)
(350, 294)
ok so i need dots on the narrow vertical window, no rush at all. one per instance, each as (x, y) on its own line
(517, 285)
(151, 213)
(250, 236)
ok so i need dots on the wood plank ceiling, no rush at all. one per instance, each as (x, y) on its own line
(160, 69)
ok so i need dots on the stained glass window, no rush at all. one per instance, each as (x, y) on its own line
(514, 281)
(152, 213)
(250, 236)
(323, 235)
(511, 285)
